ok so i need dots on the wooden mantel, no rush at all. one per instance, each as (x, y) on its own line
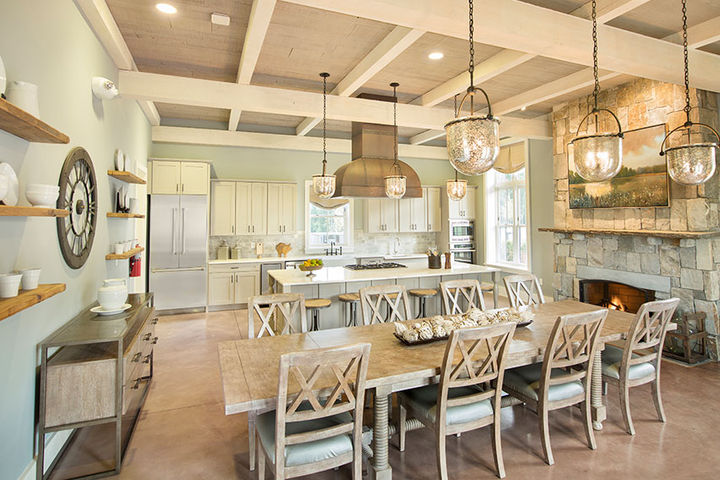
(644, 233)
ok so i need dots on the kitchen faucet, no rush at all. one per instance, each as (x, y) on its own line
(333, 250)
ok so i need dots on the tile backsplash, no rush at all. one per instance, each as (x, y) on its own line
(365, 243)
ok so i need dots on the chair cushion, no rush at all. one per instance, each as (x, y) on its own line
(612, 358)
(424, 400)
(526, 380)
(308, 452)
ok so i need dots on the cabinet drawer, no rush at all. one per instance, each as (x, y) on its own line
(235, 267)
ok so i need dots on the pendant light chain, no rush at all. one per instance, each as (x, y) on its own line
(687, 67)
(395, 130)
(471, 66)
(324, 122)
(596, 74)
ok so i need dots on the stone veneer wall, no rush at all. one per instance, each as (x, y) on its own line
(685, 268)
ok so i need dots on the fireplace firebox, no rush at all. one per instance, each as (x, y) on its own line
(615, 295)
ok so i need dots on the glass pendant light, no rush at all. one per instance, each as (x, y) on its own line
(456, 189)
(396, 182)
(598, 157)
(691, 154)
(324, 184)
(473, 141)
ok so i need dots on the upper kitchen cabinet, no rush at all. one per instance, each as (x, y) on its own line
(412, 214)
(381, 215)
(250, 208)
(222, 206)
(175, 177)
(464, 208)
(281, 208)
(434, 208)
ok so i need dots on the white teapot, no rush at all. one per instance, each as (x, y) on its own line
(113, 294)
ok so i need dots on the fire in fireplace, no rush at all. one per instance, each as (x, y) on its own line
(618, 296)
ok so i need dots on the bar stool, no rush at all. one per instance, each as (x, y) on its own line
(490, 288)
(422, 294)
(351, 299)
(314, 305)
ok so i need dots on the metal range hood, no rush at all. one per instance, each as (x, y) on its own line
(373, 152)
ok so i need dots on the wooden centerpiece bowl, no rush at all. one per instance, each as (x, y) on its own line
(311, 266)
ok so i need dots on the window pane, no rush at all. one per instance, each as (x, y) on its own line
(522, 206)
(505, 206)
(522, 234)
(505, 244)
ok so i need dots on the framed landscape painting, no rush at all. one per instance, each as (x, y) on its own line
(642, 181)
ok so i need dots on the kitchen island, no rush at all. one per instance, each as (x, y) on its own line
(330, 282)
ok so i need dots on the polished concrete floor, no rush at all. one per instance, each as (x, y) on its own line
(184, 434)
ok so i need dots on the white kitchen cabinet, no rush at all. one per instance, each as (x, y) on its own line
(246, 286)
(412, 214)
(221, 289)
(281, 208)
(258, 208)
(381, 215)
(172, 178)
(464, 208)
(194, 178)
(232, 284)
(165, 178)
(222, 207)
(434, 208)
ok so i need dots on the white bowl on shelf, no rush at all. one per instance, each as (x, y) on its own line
(9, 284)
(39, 198)
(30, 278)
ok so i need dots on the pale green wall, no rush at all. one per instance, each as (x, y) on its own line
(295, 166)
(47, 42)
(541, 212)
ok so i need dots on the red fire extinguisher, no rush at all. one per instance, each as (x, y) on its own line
(135, 266)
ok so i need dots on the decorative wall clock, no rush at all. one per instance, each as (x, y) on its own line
(78, 193)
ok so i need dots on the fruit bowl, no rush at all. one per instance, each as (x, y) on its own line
(311, 266)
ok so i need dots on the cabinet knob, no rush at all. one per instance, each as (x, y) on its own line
(146, 359)
(136, 357)
(137, 384)
(147, 337)
(155, 340)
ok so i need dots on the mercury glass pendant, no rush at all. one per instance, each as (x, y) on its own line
(692, 152)
(324, 184)
(598, 156)
(395, 183)
(473, 141)
(456, 189)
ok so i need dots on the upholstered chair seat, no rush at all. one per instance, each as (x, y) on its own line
(612, 359)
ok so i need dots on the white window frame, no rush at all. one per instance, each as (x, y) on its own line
(348, 247)
(491, 219)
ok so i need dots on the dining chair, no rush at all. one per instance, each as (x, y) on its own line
(638, 361)
(384, 303)
(459, 293)
(563, 378)
(523, 289)
(273, 308)
(469, 393)
(317, 425)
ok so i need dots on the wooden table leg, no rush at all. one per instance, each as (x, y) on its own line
(596, 398)
(380, 466)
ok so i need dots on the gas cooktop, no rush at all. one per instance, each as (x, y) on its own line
(375, 266)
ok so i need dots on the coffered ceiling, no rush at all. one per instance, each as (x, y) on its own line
(526, 64)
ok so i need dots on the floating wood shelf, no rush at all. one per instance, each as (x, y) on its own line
(126, 177)
(643, 233)
(20, 123)
(7, 211)
(28, 298)
(124, 256)
(124, 215)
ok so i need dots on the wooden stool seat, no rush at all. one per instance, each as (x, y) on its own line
(349, 297)
(317, 303)
(423, 292)
(487, 286)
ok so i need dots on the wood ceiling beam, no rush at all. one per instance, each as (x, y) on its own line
(100, 19)
(204, 136)
(214, 94)
(699, 35)
(379, 57)
(525, 27)
(260, 16)
(608, 10)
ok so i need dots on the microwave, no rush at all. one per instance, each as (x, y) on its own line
(463, 252)
(462, 231)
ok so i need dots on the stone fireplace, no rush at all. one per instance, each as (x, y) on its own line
(653, 252)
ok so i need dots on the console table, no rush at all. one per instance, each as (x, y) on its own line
(95, 373)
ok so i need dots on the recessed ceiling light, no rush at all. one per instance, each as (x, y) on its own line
(436, 55)
(524, 107)
(166, 8)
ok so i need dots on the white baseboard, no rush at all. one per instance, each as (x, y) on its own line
(52, 449)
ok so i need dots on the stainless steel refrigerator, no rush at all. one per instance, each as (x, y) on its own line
(178, 251)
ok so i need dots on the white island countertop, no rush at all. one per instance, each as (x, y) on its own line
(343, 275)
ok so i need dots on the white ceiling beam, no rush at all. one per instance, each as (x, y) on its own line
(426, 136)
(100, 19)
(699, 35)
(492, 67)
(214, 94)
(258, 24)
(379, 57)
(204, 136)
(528, 28)
(608, 10)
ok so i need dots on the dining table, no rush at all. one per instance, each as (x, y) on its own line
(250, 367)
